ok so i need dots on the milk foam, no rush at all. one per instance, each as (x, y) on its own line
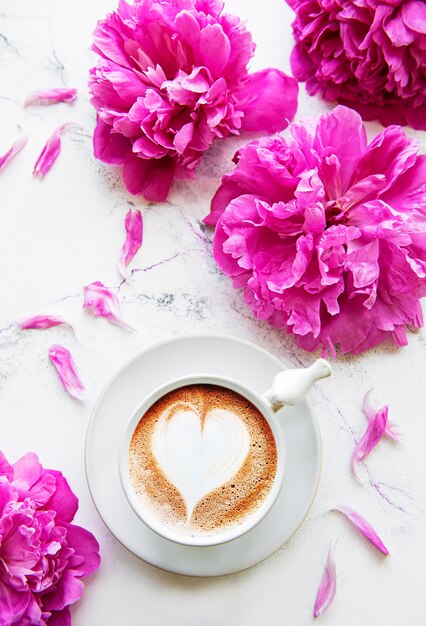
(197, 457)
(202, 459)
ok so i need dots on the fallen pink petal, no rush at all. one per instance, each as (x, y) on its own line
(51, 96)
(369, 412)
(41, 322)
(133, 224)
(101, 302)
(14, 150)
(67, 370)
(327, 588)
(51, 150)
(375, 431)
(363, 527)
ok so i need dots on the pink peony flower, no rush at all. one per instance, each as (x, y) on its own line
(42, 555)
(325, 234)
(369, 54)
(171, 78)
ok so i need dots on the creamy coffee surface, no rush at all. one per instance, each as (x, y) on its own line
(202, 458)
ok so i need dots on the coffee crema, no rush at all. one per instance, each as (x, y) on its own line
(202, 459)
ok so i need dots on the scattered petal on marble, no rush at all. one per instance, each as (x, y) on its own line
(51, 96)
(101, 302)
(40, 322)
(369, 412)
(133, 224)
(67, 371)
(14, 150)
(375, 431)
(327, 588)
(51, 150)
(363, 527)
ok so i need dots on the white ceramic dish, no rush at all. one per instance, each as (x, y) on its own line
(222, 356)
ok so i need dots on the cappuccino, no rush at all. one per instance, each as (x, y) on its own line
(202, 459)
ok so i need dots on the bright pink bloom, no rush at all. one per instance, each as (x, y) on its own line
(375, 430)
(14, 150)
(368, 54)
(325, 234)
(51, 96)
(370, 414)
(134, 233)
(67, 371)
(51, 151)
(363, 527)
(171, 78)
(101, 302)
(327, 588)
(40, 322)
(43, 556)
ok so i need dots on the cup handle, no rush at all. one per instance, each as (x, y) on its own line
(290, 386)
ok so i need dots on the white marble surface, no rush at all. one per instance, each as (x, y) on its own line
(59, 234)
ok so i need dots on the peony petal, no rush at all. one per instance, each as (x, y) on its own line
(51, 150)
(271, 101)
(363, 527)
(375, 431)
(60, 618)
(15, 149)
(63, 501)
(51, 96)
(109, 146)
(101, 302)
(370, 413)
(27, 470)
(332, 133)
(151, 178)
(67, 371)
(13, 603)
(215, 49)
(68, 590)
(133, 224)
(85, 546)
(413, 14)
(6, 469)
(327, 588)
(41, 322)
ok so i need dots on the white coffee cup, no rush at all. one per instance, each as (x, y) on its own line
(288, 387)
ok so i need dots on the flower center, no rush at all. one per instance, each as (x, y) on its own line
(335, 213)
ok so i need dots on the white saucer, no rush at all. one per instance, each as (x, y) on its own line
(210, 354)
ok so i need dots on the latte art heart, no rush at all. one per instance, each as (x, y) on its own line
(198, 456)
(202, 459)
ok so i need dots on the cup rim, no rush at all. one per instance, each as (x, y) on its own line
(236, 531)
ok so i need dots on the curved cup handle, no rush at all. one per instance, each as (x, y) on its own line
(290, 386)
